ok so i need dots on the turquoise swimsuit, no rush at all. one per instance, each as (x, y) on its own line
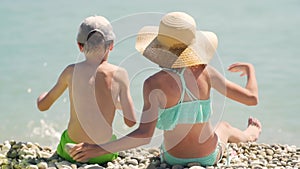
(190, 112)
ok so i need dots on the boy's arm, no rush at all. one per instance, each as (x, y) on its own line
(45, 100)
(126, 102)
(247, 95)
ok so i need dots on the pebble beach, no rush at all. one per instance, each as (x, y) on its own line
(18, 155)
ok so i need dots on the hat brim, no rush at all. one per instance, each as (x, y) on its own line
(200, 51)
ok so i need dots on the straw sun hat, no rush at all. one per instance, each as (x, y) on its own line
(176, 43)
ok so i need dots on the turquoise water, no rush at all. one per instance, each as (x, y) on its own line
(38, 41)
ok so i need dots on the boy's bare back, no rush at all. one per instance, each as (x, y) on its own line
(95, 92)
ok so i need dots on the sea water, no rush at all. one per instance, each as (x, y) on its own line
(38, 40)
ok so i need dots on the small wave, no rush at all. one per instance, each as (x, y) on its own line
(44, 132)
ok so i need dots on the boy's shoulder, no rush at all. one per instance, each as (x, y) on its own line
(69, 69)
(109, 70)
(71, 66)
(67, 73)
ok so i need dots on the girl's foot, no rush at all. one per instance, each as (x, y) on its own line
(254, 129)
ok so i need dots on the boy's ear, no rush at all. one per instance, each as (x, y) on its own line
(80, 46)
(111, 46)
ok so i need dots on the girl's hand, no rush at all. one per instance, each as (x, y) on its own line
(244, 68)
(82, 152)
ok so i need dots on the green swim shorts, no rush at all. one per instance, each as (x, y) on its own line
(97, 160)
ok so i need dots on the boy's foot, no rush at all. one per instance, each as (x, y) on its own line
(254, 129)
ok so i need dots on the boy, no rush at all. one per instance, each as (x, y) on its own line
(96, 89)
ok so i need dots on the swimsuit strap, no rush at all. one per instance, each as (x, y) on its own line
(183, 84)
(185, 88)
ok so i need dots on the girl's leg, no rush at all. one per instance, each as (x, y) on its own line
(227, 133)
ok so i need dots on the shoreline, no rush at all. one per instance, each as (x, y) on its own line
(242, 155)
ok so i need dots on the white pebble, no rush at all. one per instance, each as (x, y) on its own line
(132, 161)
(93, 166)
(42, 165)
(32, 167)
(197, 167)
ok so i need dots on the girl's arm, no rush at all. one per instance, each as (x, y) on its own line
(45, 100)
(247, 95)
(141, 136)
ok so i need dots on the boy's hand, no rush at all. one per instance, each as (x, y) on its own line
(244, 68)
(42, 96)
